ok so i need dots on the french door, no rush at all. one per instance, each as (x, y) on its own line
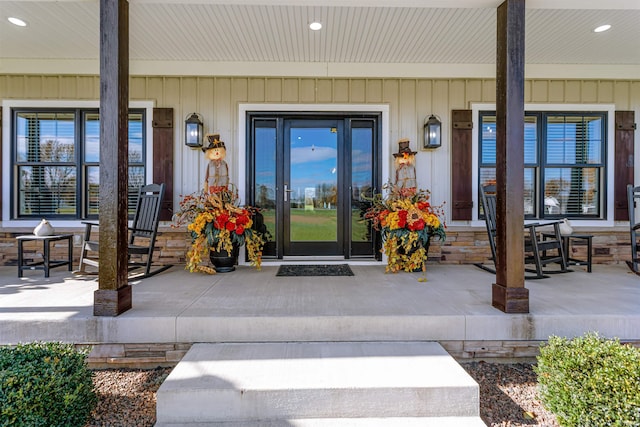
(311, 175)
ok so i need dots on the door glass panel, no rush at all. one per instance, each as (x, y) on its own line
(361, 182)
(313, 193)
(265, 175)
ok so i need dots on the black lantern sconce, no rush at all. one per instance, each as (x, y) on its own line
(432, 132)
(193, 131)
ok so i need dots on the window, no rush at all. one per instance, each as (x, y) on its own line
(56, 162)
(564, 162)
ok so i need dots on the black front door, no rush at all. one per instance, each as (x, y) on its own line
(311, 175)
(312, 187)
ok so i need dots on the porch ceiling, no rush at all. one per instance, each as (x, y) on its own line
(354, 32)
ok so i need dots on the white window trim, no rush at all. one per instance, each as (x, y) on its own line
(7, 105)
(609, 108)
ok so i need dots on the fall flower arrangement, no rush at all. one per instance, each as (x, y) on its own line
(407, 221)
(217, 222)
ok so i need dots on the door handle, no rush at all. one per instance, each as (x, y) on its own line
(286, 192)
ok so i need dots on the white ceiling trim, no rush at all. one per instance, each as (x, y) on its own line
(571, 71)
(49, 66)
(471, 4)
(317, 69)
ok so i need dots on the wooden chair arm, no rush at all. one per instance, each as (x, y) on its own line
(133, 230)
(553, 222)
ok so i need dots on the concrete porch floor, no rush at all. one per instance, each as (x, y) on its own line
(453, 305)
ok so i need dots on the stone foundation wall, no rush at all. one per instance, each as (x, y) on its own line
(488, 350)
(472, 246)
(149, 356)
(135, 356)
(467, 351)
(463, 246)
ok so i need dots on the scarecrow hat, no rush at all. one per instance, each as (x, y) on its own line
(403, 147)
(213, 141)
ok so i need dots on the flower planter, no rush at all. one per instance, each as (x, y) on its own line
(407, 222)
(216, 219)
(410, 252)
(223, 261)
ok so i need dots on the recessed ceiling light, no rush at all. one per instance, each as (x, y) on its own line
(17, 21)
(315, 26)
(602, 28)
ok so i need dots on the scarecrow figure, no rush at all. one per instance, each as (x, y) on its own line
(405, 166)
(217, 175)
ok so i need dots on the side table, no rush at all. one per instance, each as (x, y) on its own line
(566, 246)
(46, 264)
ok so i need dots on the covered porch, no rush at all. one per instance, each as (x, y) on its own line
(175, 309)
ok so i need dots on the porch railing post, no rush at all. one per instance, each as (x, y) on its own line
(509, 293)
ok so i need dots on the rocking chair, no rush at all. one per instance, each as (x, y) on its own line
(633, 194)
(538, 250)
(142, 235)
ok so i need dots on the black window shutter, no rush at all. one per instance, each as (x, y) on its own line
(461, 155)
(623, 159)
(163, 157)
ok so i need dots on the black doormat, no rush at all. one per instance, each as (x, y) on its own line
(315, 270)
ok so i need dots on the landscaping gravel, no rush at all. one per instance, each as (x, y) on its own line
(127, 398)
(508, 396)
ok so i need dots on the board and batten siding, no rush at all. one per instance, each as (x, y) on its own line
(217, 99)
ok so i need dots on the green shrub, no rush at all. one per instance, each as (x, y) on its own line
(590, 381)
(45, 384)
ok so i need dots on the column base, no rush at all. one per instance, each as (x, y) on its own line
(111, 302)
(510, 300)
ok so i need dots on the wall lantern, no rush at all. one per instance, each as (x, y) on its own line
(193, 131)
(432, 134)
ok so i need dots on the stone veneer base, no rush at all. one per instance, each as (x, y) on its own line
(150, 356)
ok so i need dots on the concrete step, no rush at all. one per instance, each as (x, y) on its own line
(281, 382)
(344, 422)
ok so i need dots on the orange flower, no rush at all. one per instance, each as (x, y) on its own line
(383, 217)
